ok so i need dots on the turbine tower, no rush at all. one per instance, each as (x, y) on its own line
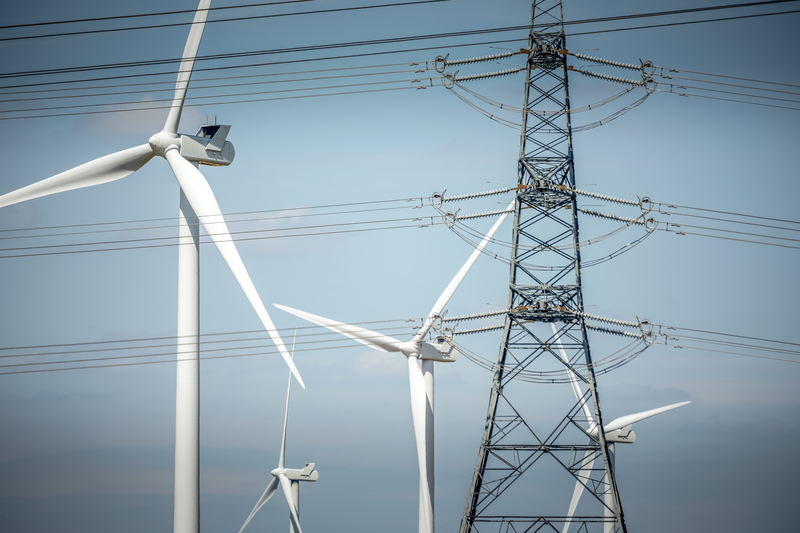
(197, 203)
(535, 437)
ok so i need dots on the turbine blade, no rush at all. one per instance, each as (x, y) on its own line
(627, 420)
(574, 381)
(451, 288)
(372, 339)
(268, 492)
(187, 65)
(418, 405)
(107, 168)
(580, 484)
(287, 492)
(282, 458)
(205, 206)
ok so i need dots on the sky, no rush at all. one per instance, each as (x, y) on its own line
(92, 450)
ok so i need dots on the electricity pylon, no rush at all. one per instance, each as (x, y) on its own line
(538, 443)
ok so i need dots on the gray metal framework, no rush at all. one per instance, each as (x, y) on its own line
(536, 441)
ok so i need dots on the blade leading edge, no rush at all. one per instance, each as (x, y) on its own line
(187, 65)
(580, 484)
(451, 288)
(372, 339)
(282, 457)
(574, 381)
(627, 420)
(102, 170)
(270, 490)
(287, 492)
(205, 206)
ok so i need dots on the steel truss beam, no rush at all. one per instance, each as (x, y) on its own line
(545, 288)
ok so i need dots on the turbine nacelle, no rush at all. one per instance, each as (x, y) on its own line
(621, 436)
(207, 147)
(440, 351)
(307, 473)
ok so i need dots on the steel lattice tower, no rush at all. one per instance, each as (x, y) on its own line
(535, 441)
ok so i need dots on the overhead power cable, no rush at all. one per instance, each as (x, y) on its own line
(684, 23)
(170, 84)
(238, 239)
(232, 19)
(177, 338)
(145, 15)
(247, 101)
(176, 219)
(729, 100)
(203, 97)
(378, 41)
(211, 21)
(195, 87)
(197, 223)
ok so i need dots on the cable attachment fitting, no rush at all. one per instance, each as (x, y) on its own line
(440, 63)
(450, 218)
(436, 197)
(647, 68)
(647, 331)
(448, 80)
(645, 204)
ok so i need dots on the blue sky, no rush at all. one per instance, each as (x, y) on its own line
(91, 450)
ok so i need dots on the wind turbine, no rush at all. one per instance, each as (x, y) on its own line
(618, 430)
(197, 202)
(288, 478)
(420, 379)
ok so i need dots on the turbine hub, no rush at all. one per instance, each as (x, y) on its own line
(161, 142)
(409, 348)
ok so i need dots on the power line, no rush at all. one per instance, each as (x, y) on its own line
(171, 83)
(313, 234)
(200, 87)
(404, 39)
(729, 238)
(723, 76)
(735, 93)
(176, 337)
(233, 19)
(228, 234)
(209, 103)
(675, 206)
(735, 85)
(142, 15)
(228, 222)
(728, 100)
(205, 97)
(348, 204)
(252, 17)
(668, 24)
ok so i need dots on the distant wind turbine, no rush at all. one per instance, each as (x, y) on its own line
(420, 379)
(288, 478)
(197, 202)
(618, 430)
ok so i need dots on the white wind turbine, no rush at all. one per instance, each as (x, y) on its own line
(197, 202)
(420, 380)
(618, 430)
(288, 478)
